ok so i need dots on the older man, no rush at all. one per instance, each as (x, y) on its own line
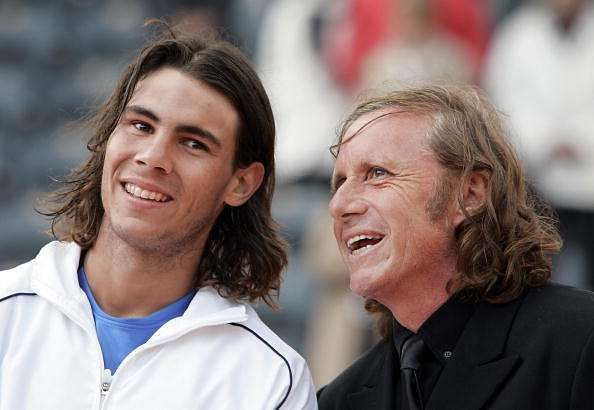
(439, 234)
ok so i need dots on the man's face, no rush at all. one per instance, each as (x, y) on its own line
(168, 164)
(384, 177)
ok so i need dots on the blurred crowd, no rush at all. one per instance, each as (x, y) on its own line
(315, 57)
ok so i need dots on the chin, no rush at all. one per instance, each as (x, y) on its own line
(142, 241)
(364, 284)
(380, 285)
(136, 234)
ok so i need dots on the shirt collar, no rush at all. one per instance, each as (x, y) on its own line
(441, 330)
(399, 335)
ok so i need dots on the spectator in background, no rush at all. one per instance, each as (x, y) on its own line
(165, 232)
(419, 52)
(304, 99)
(366, 25)
(540, 70)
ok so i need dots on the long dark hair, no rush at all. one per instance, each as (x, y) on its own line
(244, 255)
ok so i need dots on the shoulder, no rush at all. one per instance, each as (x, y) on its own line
(554, 317)
(362, 372)
(554, 301)
(16, 298)
(248, 344)
(256, 330)
(18, 281)
(557, 322)
(261, 337)
(299, 392)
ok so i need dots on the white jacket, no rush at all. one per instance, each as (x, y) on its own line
(218, 355)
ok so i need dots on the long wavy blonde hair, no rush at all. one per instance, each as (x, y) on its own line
(506, 245)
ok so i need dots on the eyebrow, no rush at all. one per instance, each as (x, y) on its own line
(188, 129)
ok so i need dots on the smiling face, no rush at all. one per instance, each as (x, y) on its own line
(385, 179)
(168, 169)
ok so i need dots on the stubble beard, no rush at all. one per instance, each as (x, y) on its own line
(167, 244)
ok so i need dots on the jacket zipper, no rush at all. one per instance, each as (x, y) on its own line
(106, 379)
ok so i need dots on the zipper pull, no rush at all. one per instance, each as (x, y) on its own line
(105, 381)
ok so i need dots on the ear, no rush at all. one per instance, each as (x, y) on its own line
(474, 194)
(244, 182)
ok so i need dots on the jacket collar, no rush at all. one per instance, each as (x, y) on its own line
(54, 277)
(475, 371)
(478, 366)
(54, 272)
(376, 388)
(207, 308)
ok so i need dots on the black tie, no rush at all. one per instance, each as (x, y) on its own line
(412, 348)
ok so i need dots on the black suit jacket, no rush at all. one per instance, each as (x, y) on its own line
(536, 352)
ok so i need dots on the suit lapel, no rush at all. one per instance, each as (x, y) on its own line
(376, 392)
(477, 368)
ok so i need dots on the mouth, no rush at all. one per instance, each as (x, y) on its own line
(145, 194)
(360, 244)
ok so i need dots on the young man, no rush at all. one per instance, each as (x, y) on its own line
(164, 233)
(434, 222)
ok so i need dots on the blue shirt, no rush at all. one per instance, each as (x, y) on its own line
(118, 336)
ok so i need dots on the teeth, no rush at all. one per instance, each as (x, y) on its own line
(361, 250)
(138, 192)
(354, 239)
(355, 250)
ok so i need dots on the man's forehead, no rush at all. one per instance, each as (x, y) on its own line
(389, 122)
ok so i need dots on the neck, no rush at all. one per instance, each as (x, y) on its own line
(131, 282)
(416, 302)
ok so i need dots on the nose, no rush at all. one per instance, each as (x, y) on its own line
(154, 153)
(347, 202)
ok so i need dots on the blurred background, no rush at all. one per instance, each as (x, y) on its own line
(59, 59)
